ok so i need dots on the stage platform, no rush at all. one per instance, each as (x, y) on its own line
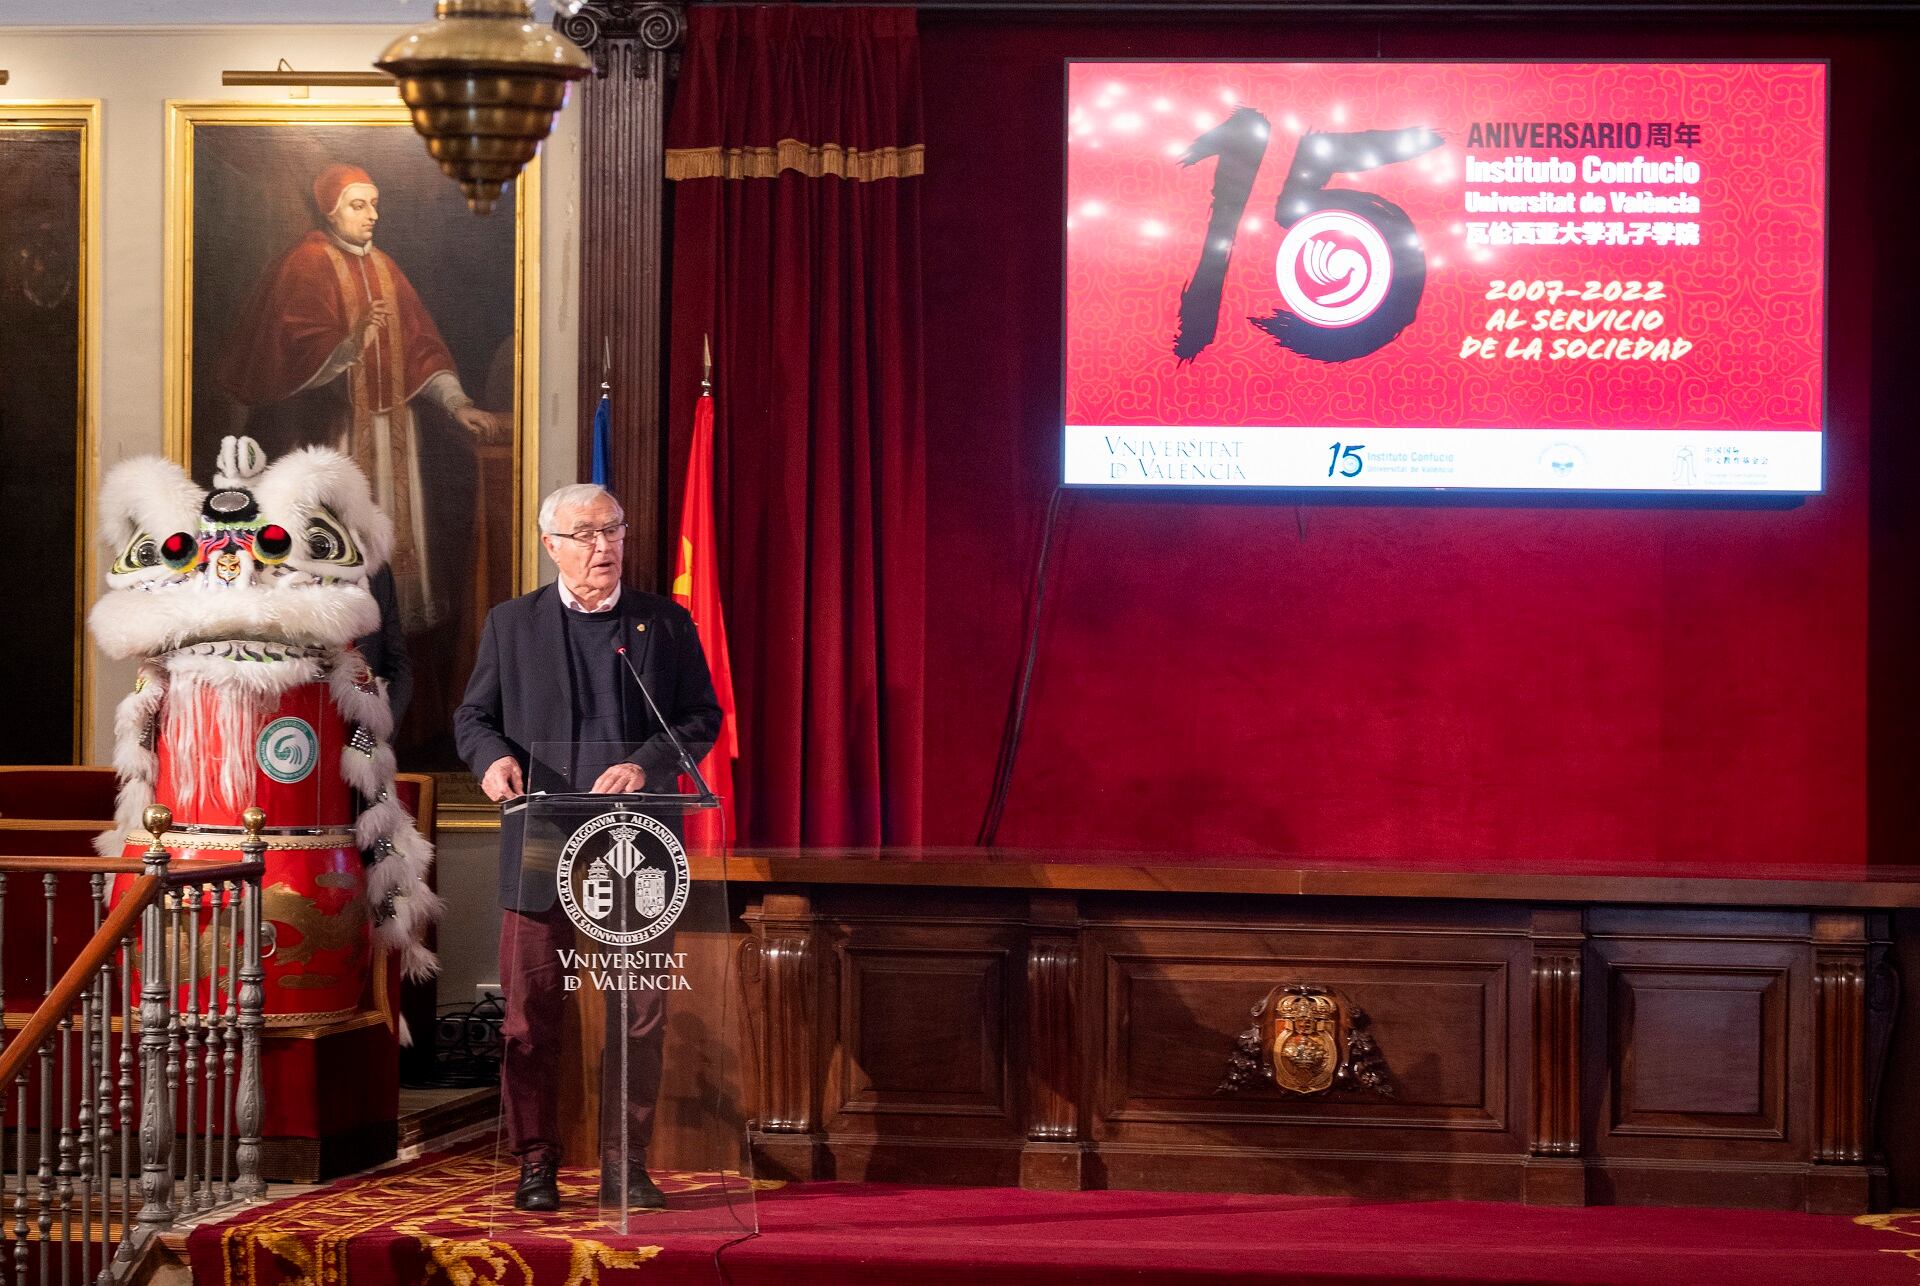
(420, 1222)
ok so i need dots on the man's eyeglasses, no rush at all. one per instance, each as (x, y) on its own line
(587, 535)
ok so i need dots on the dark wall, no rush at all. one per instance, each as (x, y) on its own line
(1612, 681)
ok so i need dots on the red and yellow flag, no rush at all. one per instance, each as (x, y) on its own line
(696, 587)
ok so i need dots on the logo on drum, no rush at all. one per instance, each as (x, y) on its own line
(623, 878)
(1334, 268)
(287, 750)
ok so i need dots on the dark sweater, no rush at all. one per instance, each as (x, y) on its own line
(599, 723)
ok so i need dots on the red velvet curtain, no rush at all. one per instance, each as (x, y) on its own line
(795, 151)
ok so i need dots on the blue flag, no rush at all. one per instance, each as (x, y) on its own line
(602, 442)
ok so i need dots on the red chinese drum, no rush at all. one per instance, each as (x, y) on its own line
(220, 752)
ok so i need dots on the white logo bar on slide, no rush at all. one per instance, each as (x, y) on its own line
(1677, 460)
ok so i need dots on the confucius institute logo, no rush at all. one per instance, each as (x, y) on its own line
(287, 750)
(1334, 268)
(623, 878)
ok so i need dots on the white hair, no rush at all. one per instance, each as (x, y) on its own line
(574, 495)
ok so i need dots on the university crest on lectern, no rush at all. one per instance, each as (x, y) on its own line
(623, 878)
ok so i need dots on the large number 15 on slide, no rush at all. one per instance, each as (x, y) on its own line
(1350, 269)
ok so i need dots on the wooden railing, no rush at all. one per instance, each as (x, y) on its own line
(187, 1058)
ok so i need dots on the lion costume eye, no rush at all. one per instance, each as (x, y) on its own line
(180, 551)
(272, 544)
(142, 552)
(328, 540)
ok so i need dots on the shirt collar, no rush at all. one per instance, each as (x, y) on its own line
(349, 247)
(573, 604)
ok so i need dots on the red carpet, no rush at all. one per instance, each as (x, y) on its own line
(425, 1223)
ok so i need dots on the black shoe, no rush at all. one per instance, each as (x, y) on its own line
(538, 1189)
(642, 1192)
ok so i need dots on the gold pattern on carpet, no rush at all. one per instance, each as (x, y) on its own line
(457, 1210)
(1902, 1223)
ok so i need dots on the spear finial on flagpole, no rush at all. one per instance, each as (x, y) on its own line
(606, 364)
(706, 364)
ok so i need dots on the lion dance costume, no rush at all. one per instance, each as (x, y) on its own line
(242, 604)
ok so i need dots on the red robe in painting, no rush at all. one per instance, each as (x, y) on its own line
(275, 366)
(309, 303)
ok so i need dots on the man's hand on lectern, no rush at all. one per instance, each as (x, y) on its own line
(621, 779)
(503, 781)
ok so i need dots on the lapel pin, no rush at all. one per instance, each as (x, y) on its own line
(641, 628)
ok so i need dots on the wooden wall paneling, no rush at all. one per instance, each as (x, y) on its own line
(623, 107)
(1700, 1053)
(981, 1032)
(1555, 1175)
(1896, 1111)
(786, 1137)
(922, 1028)
(919, 1084)
(1849, 1040)
(1054, 1157)
(1171, 1023)
(1883, 1007)
(1172, 999)
(1698, 1092)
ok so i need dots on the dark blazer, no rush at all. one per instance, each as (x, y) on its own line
(521, 694)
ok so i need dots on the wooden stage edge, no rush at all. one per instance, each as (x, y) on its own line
(1550, 1032)
(1829, 884)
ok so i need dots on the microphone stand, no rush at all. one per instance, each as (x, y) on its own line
(687, 765)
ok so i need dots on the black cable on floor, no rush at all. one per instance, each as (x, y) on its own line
(719, 1268)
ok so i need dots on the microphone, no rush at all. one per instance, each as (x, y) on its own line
(687, 765)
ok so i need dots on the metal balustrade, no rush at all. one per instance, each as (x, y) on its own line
(161, 1009)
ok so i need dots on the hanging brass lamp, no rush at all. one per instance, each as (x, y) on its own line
(483, 81)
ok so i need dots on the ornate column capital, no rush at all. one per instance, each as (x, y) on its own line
(612, 30)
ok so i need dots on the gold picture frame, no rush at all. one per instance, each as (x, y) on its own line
(236, 328)
(50, 260)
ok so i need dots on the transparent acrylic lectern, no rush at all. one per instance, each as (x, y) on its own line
(620, 1056)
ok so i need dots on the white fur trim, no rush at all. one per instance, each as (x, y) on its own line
(212, 664)
(365, 772)
(150, 494)
(240, 462)
(297, 484)
(134, 762)
(132, 802)
(382, 821)
(201, 718)
(368, 709)
(418, 963)
(400, 876)
(403, 874)
(132, 622)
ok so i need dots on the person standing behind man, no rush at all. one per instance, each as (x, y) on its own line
(548, 672)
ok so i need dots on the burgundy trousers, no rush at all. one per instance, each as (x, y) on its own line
(531, 974)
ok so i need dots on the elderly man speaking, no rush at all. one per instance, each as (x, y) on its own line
(549, 670)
